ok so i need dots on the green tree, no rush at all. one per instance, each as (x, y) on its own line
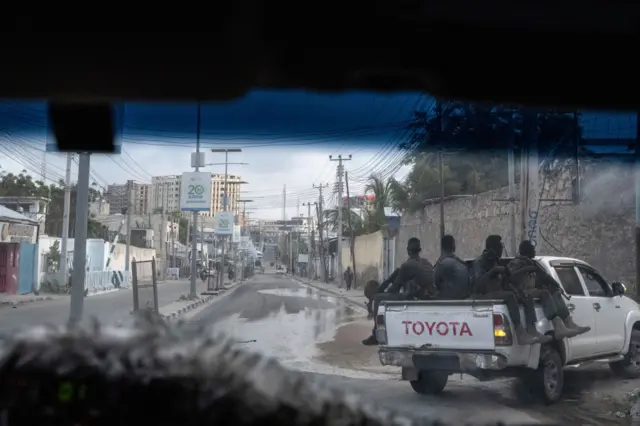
(461, 125)
(184, 231)
(23, 185)
(53, 260)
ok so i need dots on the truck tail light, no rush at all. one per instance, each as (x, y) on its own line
(502, 330)
(381, 329)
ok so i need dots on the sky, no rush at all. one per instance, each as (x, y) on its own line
(286, 138)
(286, 142)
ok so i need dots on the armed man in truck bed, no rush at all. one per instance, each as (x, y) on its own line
(414, 277)
(490, 281)
(535, 284)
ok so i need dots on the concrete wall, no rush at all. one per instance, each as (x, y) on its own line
(369, 257)
(139, 254)
(97, 254)
(600, 230)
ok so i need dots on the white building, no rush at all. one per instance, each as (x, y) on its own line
(165, 194)
(99, 208)
(131, 193)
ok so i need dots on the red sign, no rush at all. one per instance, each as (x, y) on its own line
(442, 328)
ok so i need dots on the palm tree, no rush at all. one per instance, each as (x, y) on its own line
(383, 192)
(331, 221)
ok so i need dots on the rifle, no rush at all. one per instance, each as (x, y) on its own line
(517, 290)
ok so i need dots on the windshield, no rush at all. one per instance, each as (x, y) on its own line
(202, 203)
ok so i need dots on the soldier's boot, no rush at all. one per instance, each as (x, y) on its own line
(568, 322)
(543, 338)
(370, 341)
(525, 338)
(561, 331)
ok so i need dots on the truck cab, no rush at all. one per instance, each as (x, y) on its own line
(430, 340)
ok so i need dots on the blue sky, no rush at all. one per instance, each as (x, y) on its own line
(286, 138)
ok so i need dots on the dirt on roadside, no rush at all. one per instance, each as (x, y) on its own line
(347, 351)
(593, 395)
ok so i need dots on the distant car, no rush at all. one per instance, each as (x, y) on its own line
(279, 269)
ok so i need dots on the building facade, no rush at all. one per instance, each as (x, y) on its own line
(35, 208)
(234, 183)
(131, 193)
(99, 208)
(165, 194)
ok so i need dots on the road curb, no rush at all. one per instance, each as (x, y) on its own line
(209, 299)
(332, 292)
(15, 303)
(189, 307)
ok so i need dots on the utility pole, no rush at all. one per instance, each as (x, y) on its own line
(80, 238)
(440, 166)
(291, 265)
(225, 208)
(320, 213)
(637, 184)
(511, 171)
(173, 243)
(284, 219)
(194, 232)
(188, 240)
(340, 174)
(441, 177)
(163, 226)
(64, 260)
(532, 165)
(284, 203)
(127, 250)
(309, 237)
(352, 236)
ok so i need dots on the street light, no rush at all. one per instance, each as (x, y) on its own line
(226, 175)
(224, 164)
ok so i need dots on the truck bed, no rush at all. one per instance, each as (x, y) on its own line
(447, 324)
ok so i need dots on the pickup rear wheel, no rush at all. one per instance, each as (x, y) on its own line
(547, 380)
(629, 366)
(430, 382)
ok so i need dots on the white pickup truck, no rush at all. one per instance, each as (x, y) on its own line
(431, 340)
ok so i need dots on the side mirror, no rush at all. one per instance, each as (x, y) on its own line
(618, 288)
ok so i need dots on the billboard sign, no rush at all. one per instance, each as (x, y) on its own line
(195, 192)
(224, 223)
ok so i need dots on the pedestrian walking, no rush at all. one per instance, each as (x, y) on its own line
(348, 277)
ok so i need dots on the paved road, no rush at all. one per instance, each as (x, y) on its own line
(316, 333)
(108, 307)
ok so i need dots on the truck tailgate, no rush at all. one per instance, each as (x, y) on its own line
(438, 326)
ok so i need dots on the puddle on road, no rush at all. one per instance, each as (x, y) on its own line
(306, 293)
(293, 327)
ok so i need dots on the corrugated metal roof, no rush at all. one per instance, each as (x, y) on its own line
(8, 215)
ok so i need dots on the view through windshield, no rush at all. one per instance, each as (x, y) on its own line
(295, 223)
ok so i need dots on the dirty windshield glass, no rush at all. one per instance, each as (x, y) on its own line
(292, 222)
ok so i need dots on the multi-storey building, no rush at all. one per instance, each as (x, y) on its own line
(217, 194)
(165, 194)
(365, 202)
(165, 191)
(131, 193)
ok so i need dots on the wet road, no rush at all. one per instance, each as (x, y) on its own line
(320, 335)
(108, 307)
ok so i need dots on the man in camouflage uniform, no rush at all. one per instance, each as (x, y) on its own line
(451, 273)
(491, 282)
(414, 278)
(372, 287)
(534, 283)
